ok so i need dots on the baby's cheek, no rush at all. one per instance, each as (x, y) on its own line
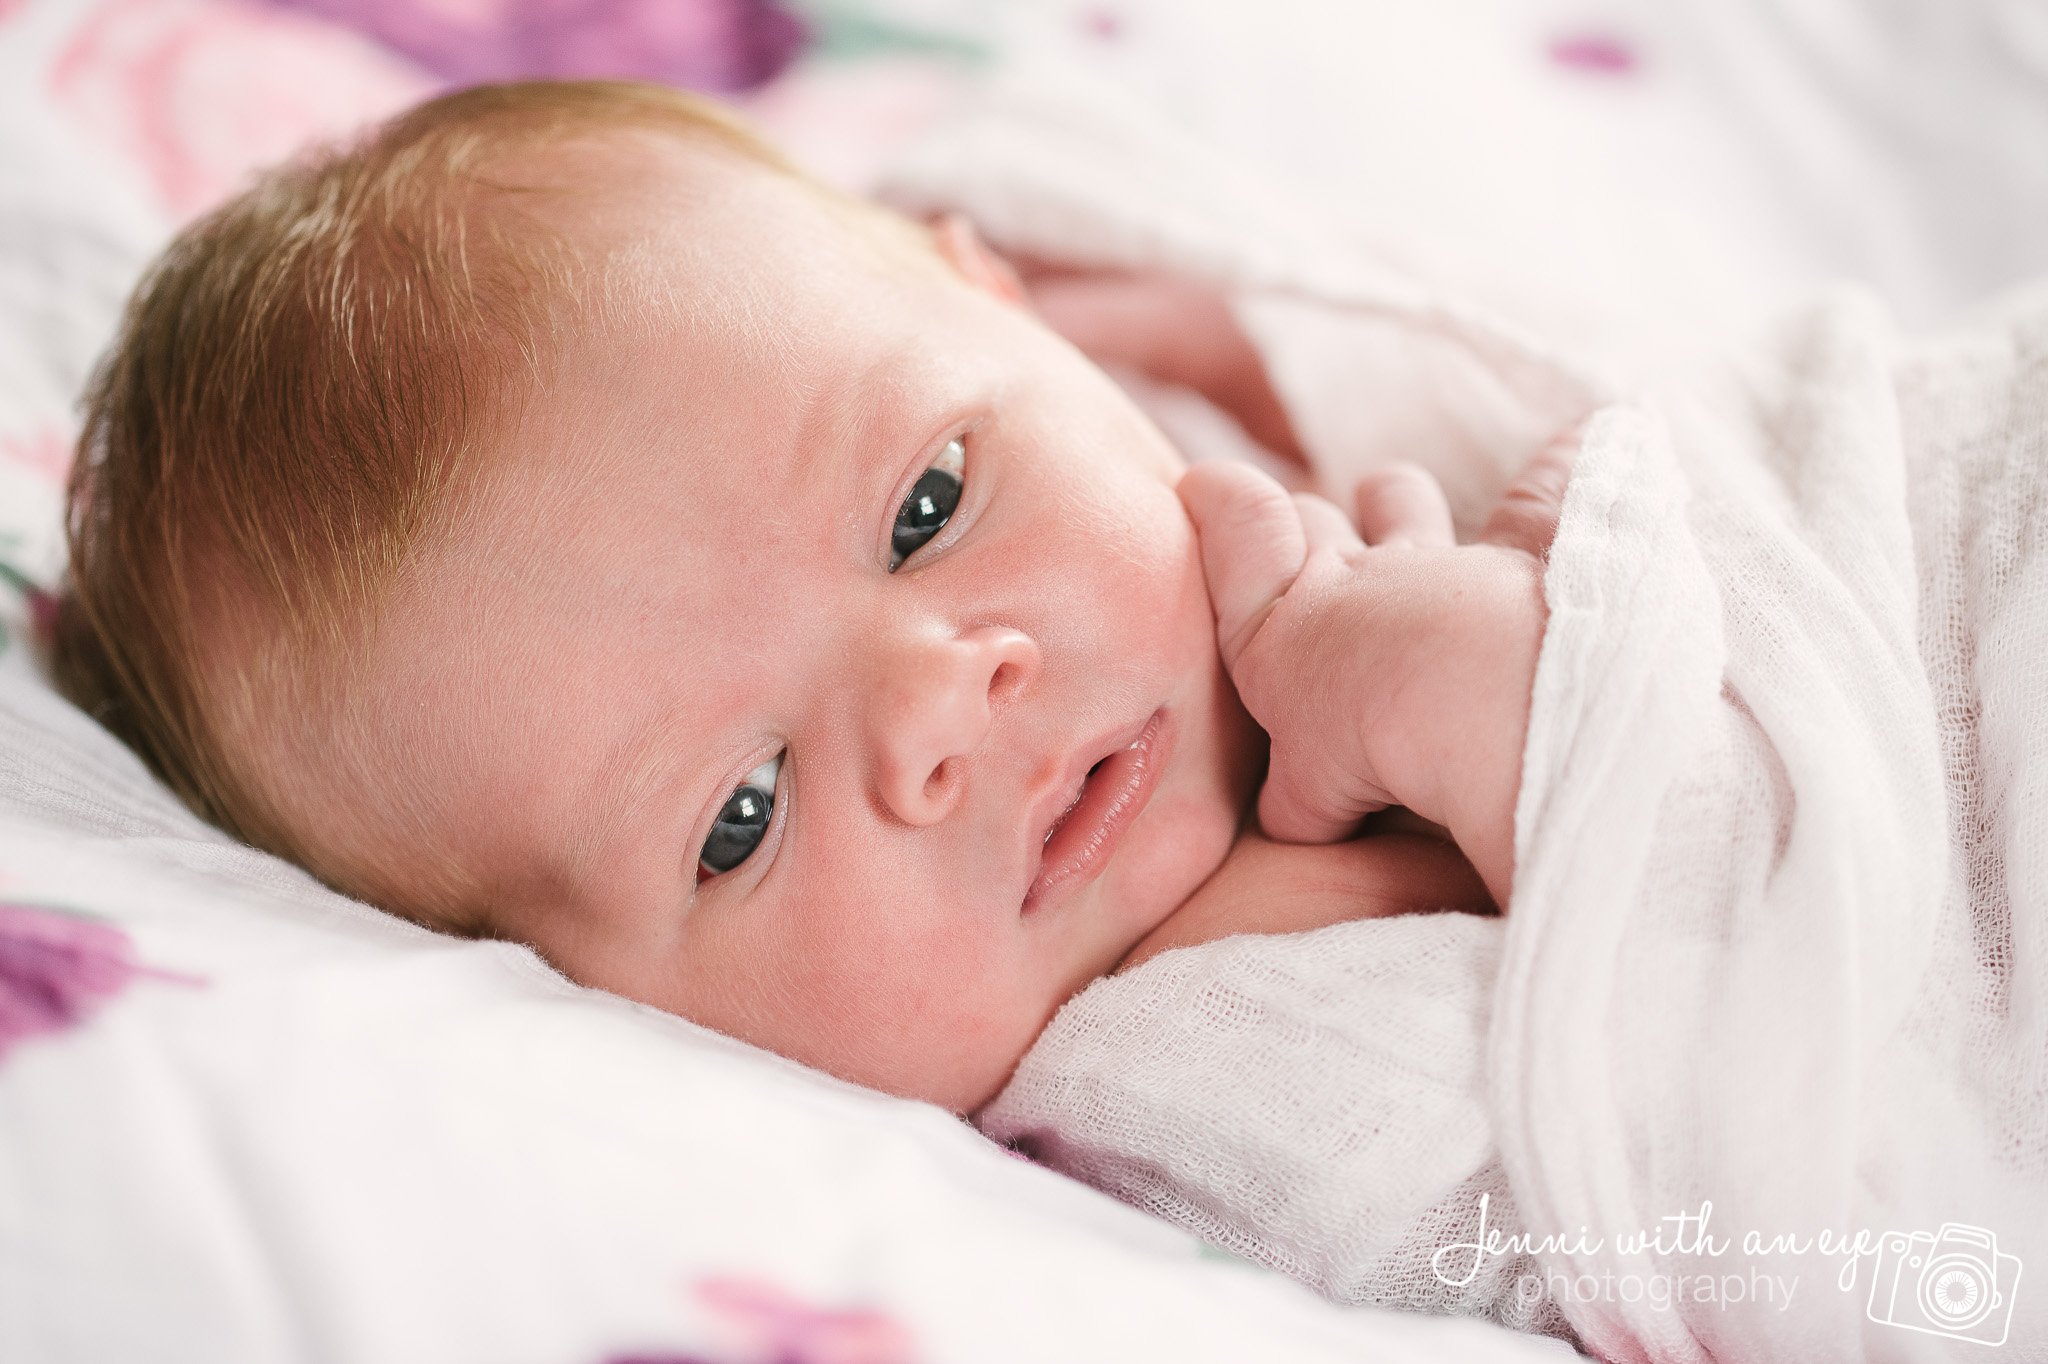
(932, 1023)
(1137, 579)
(862, 972)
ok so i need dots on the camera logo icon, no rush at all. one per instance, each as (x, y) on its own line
(1954, 1282)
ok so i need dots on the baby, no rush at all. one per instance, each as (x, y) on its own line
(557, 518)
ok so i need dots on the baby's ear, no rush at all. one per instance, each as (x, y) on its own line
(978, 263)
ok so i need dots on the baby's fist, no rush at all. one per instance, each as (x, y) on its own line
(1391, 673)
(1280, 572)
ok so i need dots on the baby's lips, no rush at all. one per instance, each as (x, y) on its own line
(1253, 545)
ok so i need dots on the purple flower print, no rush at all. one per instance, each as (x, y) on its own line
(56, 969)
(725, 45)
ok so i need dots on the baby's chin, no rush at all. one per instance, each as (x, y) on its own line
(1209, 810)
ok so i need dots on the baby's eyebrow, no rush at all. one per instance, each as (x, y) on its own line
(836, 420)
(632, 776)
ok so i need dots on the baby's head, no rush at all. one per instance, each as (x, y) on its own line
(558, 519)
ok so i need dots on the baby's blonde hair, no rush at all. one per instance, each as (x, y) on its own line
(295, 395)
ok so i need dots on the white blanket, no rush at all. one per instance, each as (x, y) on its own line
(1774, 972)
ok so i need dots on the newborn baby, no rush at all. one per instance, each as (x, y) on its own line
(558, 519)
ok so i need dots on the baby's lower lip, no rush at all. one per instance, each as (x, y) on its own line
(1114, 795)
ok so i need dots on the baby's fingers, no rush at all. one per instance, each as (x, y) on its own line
(1404, 503)
(1252, 545)
(1526, 518)
(1323, 526)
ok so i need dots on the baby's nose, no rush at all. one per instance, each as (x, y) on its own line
(933, 699)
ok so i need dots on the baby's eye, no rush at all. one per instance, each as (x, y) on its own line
(930, 505)
(743, 821)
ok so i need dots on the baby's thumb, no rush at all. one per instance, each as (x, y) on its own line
(1252, 545)
(1309, 796)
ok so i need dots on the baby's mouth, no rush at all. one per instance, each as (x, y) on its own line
(1084, 835)
(1079, 791)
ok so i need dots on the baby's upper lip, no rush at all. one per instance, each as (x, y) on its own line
(1059, 795)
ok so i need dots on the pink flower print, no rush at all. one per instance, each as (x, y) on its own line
(196, 95)
(1594, 54)
(775, 1327)
(57, 969)
(45, 453)
(1102, 23)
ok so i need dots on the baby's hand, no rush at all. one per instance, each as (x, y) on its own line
(1392, 669)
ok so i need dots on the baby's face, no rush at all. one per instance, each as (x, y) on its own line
(799, 612)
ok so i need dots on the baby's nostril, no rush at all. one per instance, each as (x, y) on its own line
(935, 784)
(1004, 681)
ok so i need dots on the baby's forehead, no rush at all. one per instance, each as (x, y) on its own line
(709, 340)
(714, 301)
(664, 216)
(712, 297)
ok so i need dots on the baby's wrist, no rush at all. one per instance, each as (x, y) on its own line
(1445, 739)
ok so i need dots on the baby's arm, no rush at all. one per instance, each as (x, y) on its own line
(1174, 330)
(1268, 887)
(1394, 673)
